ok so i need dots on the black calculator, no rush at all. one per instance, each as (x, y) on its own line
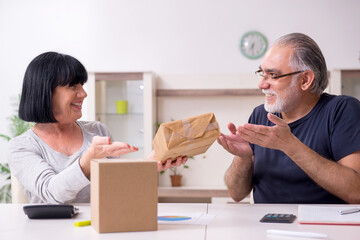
(278, 218)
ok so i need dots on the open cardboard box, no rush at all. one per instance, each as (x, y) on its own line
(187, 137)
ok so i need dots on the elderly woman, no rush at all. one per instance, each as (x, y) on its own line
(52, 160)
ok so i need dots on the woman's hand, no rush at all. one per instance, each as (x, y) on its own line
(169, 163)
(102, 147)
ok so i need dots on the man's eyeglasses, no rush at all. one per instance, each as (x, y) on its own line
(261, 74)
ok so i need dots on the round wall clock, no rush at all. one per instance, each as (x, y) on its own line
(253, 44)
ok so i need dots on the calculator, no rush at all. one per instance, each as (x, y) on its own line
(278, 218)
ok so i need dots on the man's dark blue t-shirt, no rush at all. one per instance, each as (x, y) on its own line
(332, 129)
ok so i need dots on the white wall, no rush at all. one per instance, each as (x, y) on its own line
(167, 37)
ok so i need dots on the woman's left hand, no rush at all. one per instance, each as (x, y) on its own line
(169, 163)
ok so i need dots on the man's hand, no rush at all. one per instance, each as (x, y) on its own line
(234, 143)
(275, 137)
(238, 177)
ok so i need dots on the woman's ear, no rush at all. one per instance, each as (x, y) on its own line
(307, 79)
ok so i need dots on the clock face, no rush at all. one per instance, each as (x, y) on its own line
(253, 45)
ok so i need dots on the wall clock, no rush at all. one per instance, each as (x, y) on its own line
(253, 44)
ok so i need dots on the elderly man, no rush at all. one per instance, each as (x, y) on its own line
(302, 145)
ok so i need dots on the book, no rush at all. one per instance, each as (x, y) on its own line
(310, 214)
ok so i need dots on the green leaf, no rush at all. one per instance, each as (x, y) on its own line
(19, 126)
(5, 194)
(7, 138)
(4, 169)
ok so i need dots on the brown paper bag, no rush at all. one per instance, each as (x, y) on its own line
(187, 137)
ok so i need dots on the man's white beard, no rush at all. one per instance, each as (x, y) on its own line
(284, 104)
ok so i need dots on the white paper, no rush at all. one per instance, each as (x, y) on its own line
(326, 215)
(185, 218)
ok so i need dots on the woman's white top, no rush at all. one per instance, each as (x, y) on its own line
(48, 176)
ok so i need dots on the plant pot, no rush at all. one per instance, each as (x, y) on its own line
(175, 180)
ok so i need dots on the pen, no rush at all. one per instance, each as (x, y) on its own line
(296, 233)
(82, 223)
(348, 211)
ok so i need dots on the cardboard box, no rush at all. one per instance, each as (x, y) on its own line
(187, 137)
(124, 195)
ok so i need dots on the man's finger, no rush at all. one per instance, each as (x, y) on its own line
(232, 128)
(276, 120)
(254, 130)
(252, 133)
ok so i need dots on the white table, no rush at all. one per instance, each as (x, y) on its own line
(241, 221)
(15, 225)
(232, 221)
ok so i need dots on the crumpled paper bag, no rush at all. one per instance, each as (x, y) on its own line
(186, 137)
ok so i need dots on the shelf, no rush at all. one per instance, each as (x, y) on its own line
(192, 192)
(350, 73)
(207, 92)
(119, 115)
(119, 76)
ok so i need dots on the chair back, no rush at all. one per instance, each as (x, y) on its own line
(17, 191)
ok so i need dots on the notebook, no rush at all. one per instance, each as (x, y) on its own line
(310, 214)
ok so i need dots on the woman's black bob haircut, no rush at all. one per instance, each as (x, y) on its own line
(42, 76)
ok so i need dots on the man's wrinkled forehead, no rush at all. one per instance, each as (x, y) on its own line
(276, 59)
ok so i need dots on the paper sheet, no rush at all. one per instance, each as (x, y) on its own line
(327, 215)
(185, 218)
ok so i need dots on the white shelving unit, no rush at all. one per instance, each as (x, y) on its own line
(346, 82)
(137, 126)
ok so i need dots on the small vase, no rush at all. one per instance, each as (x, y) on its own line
(175, 180)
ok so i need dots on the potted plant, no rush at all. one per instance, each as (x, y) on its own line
(175, 175)
(17, 127)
